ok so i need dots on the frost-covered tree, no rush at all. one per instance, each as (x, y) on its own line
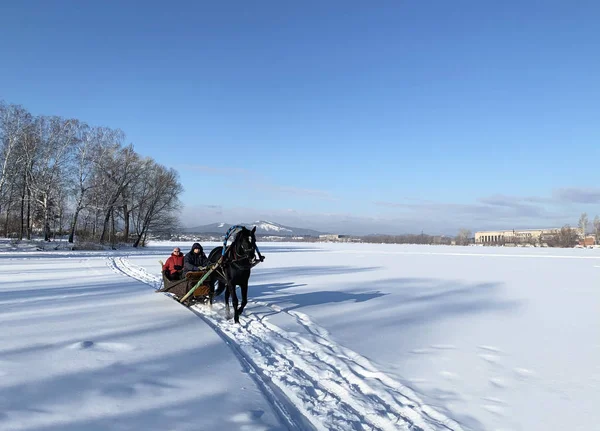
(583, 222)
(87, 156)
(15, 122)
(56, 138)
(61, 175)
(463, 237)
(118, 168)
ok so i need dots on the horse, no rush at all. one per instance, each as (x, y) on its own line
(237, 261)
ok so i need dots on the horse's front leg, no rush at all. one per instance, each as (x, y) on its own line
(234, 302)
(227, 291)
(244, 289)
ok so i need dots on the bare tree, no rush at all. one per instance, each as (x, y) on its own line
(515, 239)
(24, 167)
(91, 144)
(596, 228)
(59, 175)
(402, 239)
(119, 168)
(56, 138)
(14, 124)
(567, 237)
(156, 196)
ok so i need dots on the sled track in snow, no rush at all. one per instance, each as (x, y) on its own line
(311, 381)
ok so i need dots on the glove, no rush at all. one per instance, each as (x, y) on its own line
(262, 258)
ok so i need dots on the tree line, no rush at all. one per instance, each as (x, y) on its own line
(422, 238)
(61, 176)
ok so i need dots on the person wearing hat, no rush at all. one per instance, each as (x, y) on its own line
(174, 265)
(195, 259)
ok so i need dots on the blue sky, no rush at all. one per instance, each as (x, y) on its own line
(339, 116)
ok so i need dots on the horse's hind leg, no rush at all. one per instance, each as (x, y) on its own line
(220, 288)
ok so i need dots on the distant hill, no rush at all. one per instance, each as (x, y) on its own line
(262, 228)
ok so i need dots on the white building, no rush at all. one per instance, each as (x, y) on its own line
(499, 237)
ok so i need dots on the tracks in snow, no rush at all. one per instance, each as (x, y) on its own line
(311, 380)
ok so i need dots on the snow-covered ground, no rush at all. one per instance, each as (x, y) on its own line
(336, 336)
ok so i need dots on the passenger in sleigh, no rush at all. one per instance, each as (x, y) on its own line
(195, 259)
(173, 267)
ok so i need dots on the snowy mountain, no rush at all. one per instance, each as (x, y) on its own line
(262, 228)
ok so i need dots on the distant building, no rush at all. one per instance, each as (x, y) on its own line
(502, 237)
(588, 241)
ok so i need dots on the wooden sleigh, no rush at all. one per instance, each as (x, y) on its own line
(182, 287)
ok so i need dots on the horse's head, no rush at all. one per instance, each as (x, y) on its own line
(244, 244)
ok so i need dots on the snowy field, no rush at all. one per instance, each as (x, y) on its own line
(335, 336)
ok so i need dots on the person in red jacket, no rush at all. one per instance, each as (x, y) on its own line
(173, 267)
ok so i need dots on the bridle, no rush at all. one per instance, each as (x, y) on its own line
(243, 253)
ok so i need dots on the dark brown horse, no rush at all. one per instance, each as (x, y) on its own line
(237, 261)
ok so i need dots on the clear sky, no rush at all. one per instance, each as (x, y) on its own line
(358, 117)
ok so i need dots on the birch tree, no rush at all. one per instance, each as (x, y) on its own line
(88, 153)
(60, 175)
(14, 124)
(56, 138)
